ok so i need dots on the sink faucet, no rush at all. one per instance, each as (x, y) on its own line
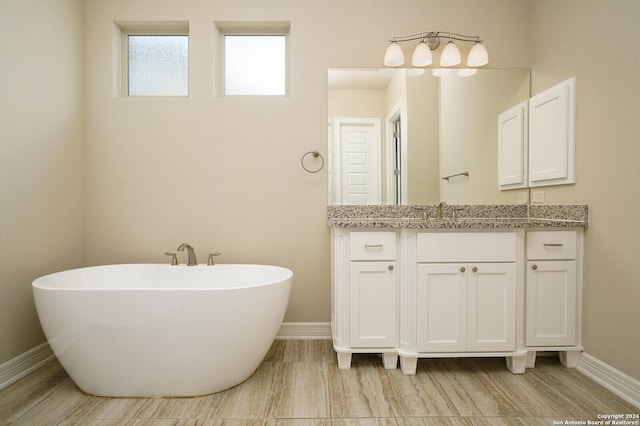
(439, 211)
(191, 254)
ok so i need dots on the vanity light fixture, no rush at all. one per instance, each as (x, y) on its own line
(430, 40)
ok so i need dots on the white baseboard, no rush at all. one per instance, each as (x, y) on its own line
(623, 385)
(18, 367)
(305, 331)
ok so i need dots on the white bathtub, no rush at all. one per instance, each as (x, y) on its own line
(146, 330)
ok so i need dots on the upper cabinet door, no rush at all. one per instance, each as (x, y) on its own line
(552, 135)
(512, 147)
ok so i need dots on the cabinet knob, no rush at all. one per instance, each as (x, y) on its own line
(462, 269)
(391, 267)
(534, 267)
(474, 269)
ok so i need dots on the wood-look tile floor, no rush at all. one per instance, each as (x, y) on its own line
(299, 383)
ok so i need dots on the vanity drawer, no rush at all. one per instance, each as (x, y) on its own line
(542, 245)
(467, 247)
(372, 245)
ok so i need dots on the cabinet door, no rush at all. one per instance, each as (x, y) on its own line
(513, 147)
(491, 302)
(551, 303)
(552, 135)
(442, 307)
(372, 305)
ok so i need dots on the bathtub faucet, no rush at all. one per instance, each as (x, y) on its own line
(191, 254)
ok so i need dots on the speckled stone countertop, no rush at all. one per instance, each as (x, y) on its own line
(467, 216)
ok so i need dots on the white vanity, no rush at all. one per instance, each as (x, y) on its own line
(505, 286)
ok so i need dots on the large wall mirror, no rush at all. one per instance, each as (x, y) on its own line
(404, 136)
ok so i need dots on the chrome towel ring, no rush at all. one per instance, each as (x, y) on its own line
(314, 154)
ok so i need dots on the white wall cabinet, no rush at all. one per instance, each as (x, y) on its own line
(513, 147)
(536, 140)
(552, 135)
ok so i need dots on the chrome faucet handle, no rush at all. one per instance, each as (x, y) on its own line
(174, 257)
(210, 262)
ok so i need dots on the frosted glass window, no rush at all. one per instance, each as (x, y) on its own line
(255, 65)
(158, 65)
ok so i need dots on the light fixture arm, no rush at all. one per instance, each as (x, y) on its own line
(428, 34)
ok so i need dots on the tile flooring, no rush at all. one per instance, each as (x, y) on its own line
(299, 383)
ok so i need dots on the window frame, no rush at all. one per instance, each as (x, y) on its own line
(251, 28)
(126, 29)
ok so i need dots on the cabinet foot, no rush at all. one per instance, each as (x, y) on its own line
(517, 364)
(344, 360)
(408, 365)
(531, 359)
(390, 361)
(569, 358)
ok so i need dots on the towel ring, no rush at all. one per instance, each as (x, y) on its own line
(315, 154)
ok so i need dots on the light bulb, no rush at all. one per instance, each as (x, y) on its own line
(415, 72)
(393, 57)
(450, 55)
(478, 55)
(421, 55)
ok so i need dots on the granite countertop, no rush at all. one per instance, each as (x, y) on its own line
(467, 216)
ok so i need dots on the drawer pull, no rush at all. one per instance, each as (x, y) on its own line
(474, 269)
(462, 269)
(534, 267)
(391, 267)
(373, 246)
(553, 244)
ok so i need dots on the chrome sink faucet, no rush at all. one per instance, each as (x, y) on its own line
(191, 254)
(439, 210)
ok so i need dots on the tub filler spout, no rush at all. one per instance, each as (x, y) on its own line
(191, 254)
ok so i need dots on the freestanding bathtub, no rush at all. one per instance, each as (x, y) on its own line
(144, 330)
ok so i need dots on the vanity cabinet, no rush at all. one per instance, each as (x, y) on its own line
(466, 297)
(552, 296)
(368, 298)
(466, 307)
(414, 293)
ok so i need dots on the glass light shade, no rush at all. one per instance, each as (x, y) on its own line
(467, 72)
(440, 72)
(415, 72)
(478, 55)
(450, 55)
(393, 57)
(421, 55)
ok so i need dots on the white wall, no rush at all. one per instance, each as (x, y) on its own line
(423, 137)
(596, 41)
(41, 157)
(224, 173)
